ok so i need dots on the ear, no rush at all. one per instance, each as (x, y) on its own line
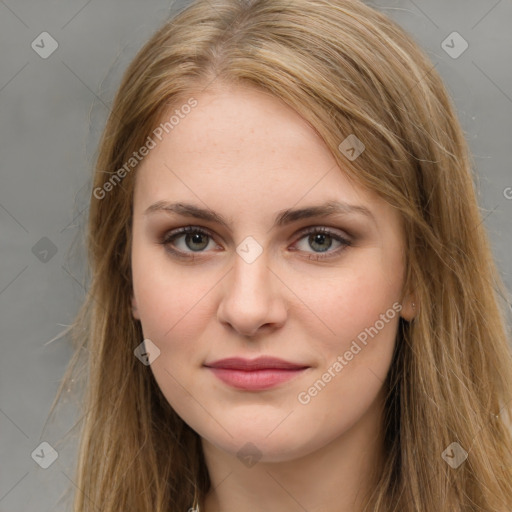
(135, 311)
(410, 307)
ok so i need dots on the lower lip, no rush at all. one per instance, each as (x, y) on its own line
(255, 380)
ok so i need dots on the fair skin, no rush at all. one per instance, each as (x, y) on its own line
(247, 156)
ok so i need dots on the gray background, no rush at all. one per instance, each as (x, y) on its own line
(52, 112)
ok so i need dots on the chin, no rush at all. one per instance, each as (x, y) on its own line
(254, 445)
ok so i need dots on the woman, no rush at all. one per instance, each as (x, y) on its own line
(294, 304)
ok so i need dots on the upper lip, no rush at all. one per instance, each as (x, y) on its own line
(260, 363)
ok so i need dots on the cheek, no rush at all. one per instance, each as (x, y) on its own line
(168, 298)
(353, 298)
(170, 308)
(363, 314)
(360, 307)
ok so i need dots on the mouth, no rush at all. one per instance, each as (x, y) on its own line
(256, 374)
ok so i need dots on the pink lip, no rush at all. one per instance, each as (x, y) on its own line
(255, 374)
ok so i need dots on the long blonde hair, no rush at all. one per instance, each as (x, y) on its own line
(348, 70)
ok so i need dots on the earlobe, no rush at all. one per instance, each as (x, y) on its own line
(135, 311)
(410, 309)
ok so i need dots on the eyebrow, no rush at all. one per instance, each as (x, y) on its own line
(283, 217)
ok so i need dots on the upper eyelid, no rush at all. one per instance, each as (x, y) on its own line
(181, 230)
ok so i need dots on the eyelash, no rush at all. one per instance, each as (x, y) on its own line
(170, 237)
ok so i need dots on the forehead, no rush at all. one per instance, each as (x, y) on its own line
(244, 150)
(237, 122)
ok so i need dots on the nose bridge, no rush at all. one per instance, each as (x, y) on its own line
(251, 275)
(249, 296)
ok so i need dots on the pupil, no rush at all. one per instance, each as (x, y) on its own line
(319, 238)
(196, 239)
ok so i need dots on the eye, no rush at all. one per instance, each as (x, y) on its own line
(196, 240)
(321, 239)
(193, 238)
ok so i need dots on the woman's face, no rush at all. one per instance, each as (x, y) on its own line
(264, 281)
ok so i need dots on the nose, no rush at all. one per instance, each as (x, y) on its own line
(252, 298)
